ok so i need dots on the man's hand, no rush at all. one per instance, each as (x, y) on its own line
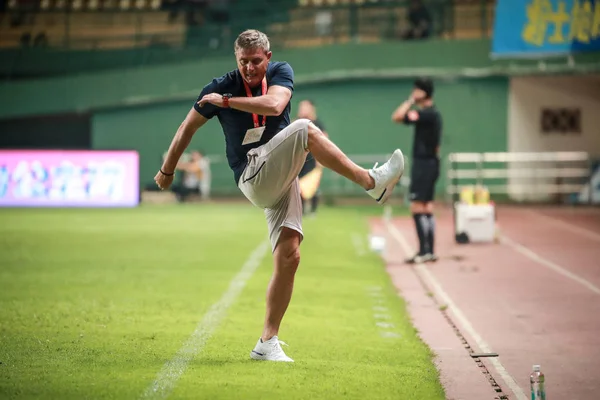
(163, 181)
(212, 98)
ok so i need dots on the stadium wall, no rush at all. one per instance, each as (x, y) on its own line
(529, 96)
(179, 80)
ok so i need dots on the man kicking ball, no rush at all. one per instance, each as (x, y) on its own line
(266, 152)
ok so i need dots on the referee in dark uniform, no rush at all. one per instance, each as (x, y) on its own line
(425, 167)
(307, 109)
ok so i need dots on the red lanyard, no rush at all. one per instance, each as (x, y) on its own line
(249, 94)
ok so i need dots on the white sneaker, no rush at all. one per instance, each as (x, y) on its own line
(417, 259)
(430, 257)
(270, 351)
(386, 177)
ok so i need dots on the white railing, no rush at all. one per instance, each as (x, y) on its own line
(522, 176)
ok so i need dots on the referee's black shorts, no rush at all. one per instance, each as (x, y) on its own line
(423, 176)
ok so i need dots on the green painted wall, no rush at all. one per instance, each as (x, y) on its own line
(357, 116)
(180, 80)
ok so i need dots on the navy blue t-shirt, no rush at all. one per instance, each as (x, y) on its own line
(235, 123)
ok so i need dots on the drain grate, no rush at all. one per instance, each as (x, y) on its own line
(475, 356)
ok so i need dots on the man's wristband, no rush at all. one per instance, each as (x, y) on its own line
(165, 174)
(226, 98)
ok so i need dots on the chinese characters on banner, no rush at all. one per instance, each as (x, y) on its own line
(75, 178)
(546, 23)
(546, 27)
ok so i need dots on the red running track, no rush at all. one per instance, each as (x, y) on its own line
(533, 298)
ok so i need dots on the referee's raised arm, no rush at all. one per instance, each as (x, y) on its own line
(399, 114)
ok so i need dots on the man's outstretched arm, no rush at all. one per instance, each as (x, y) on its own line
(192, 122)
(271, 104)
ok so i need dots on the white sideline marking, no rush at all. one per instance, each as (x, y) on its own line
(381, 316)
(466, 324)
(549, 264)
(380, 313)
(573, 228)
(173, 369)
(385, 334)
(358, 243)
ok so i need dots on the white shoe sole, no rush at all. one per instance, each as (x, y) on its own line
(390, 187)
(258, 357)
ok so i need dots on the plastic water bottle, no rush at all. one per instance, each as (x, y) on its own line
(538, 391)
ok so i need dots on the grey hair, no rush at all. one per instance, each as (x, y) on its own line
(252, 39)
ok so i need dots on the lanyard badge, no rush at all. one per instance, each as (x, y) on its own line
(253, 135)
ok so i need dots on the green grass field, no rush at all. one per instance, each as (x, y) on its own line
(95, 302)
